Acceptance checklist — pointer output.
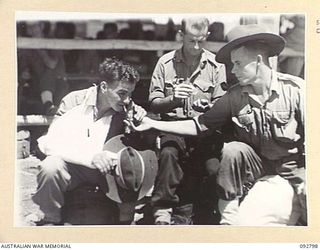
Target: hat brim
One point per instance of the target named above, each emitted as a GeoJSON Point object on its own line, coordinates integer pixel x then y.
{"type": "Point", "coordinates": [276, 45]}
{"type": "Point", "coordinates": [115, 144]}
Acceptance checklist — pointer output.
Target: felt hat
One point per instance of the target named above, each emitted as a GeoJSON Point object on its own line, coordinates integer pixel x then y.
{"type": "Point", "coordinates": [135, 171]}
{"type": "Point", "coordinates": [245, 33]}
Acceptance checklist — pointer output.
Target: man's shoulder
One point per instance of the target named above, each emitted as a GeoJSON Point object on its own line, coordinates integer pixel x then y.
{"type": "Point", "coordinates": [167, 57]}
{"type": "Point", "coordinates": [293, 81]}
{"type": "Point", "coordinates": [78, 94]}
{"type": "Point", "coordinates": [235, 88]}
{"type": "Point", "coordinates": [211, 57]}
{"type": "Point", "coordinates": [73, 99]}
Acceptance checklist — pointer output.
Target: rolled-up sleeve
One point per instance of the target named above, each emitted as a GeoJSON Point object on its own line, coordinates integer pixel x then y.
{"type": "Point", "coordinates": [300, 116]}
{"type": "Point", "coordinates": [300, 110]}
{"type": "Point", "coordinates": [217, 116]}
{"type": "Point", "coordinates": [219, 78]}
{"type": "Point", "coordinates": [156, 89]}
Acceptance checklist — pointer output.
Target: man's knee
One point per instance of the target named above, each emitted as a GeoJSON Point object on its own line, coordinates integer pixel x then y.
{"type": "Point", "coordinates": [234, 150]}
{"type": "Point", "coordinates": [52, 165]}
{"type": "Point", "coordinates": [243, 157]}
{"type": "Point", "coordinates": [233, 158]}
{"type": "Point", "coordinates": [169, 153]}
{"type": "Point", "coordinates": [239, 165]}
{"type": "Point", "coordinates": [212, 166]}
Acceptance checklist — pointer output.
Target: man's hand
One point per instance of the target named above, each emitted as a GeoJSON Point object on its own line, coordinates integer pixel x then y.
{"type": "Point", "coordinates": [104, 161]}
{"type": "Point", "coordinates": [182, 91]}
{"type": "Point", "coordinates": [145, 124]}
{"type": "Point", "coordinates": [201, 105]}
{"type": "Point", "coordinates": [301, 188]}
{"type": "Point", "coordinates": [138, 113]}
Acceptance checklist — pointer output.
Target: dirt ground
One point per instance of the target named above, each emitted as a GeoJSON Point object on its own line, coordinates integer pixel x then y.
{"type": "Point", "coordinates": [26, 209]}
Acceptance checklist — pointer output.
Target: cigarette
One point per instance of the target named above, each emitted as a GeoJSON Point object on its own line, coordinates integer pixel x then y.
{"type": "Point", "coordinates": [259, 59]}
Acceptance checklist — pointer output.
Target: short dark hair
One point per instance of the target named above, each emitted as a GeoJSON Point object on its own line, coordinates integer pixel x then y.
{"type": "Point", "coordinates": [113, 69]}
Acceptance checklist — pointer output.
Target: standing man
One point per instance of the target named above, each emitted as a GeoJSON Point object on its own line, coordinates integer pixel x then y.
{"type": "Point", "coordinates": [261, 178]}
{"type": "Point", "coordinates": [185, 83]}
{"type": "Point", "coordinates": [74, 142]}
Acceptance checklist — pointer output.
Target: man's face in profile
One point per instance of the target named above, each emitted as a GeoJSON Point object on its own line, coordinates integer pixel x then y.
{"type": "Point", "coordinates": [244, 66]}
{"type": "Point", "coordinates": [118, 94]}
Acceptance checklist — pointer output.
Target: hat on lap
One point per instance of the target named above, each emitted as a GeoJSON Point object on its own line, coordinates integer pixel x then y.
{"type": "Point", "coordinates": [135, 172]}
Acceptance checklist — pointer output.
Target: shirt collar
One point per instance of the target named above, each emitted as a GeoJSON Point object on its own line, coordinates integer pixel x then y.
{"type": "Point", "coordinates": [91, 100]}
{"type": "Point", "coordinates": [274, 85]}
{"type": "Point", "coordinates": [91, 96]}
{"type": "Point", "coordinates": [246, 90]}
{"type": "Point", "coordinates": [178, 57]}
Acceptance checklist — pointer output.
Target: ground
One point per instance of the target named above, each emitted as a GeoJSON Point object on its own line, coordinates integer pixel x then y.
{"type": "Point", "coordinates": [26, 172]}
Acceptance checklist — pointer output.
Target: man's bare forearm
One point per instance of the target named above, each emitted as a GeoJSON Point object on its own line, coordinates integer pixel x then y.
{"type": "Point", "coordinates": [187, 127]}
{"type": "Point", "coordinates": [164, 105]}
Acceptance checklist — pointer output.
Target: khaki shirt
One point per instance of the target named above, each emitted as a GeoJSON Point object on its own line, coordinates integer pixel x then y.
{"type": "Point", "coordinates": [206, 79]}
{"type": "Point", "coordinates": [274, 129]}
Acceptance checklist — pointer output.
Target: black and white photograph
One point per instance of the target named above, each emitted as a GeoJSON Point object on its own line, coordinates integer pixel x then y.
{"type": "Point", "coordinates": [126, 119]}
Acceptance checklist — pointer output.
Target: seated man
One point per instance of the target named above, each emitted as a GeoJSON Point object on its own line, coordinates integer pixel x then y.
{"type": "Point", "coordinates": [267, 111]}
{"type": "Point", "coordinates": [189, 68]}
{"type": "Point", "coordinates": [74, 142]}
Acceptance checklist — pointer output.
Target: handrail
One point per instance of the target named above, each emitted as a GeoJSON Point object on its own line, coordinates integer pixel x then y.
{"type": "Point", "coordinates": [119, 44]}
{"type": "Point", "coordinates": [34, 120]}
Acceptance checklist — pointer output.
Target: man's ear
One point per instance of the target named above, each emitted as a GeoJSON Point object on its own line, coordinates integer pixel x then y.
{"type": "Point", "coordinates": [103, 86]}
{"type": "Point", "coordinates": [180, 35]}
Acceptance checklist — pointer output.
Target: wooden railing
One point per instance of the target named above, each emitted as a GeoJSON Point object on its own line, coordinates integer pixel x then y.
{"type": "Point", "coordinates": [33, 120]}
{"type": "Point", "coordinates": [117, 44]}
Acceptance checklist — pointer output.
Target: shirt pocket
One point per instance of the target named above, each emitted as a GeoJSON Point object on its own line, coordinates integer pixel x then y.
{"type": "Point", "coordinates": [284, 126]}
{"type": "Point", "coordinates": [204, 86]}
{"type": "Point", "coordinates": [204, 89]}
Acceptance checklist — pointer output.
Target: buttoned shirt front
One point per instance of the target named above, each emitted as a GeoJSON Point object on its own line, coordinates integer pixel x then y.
{"type": "Point", "coordinates": [206, 79]}
{"type": "Point", "coordinates": [274, 129]}
{"type": "Point", "coordinates": [77, 135]}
